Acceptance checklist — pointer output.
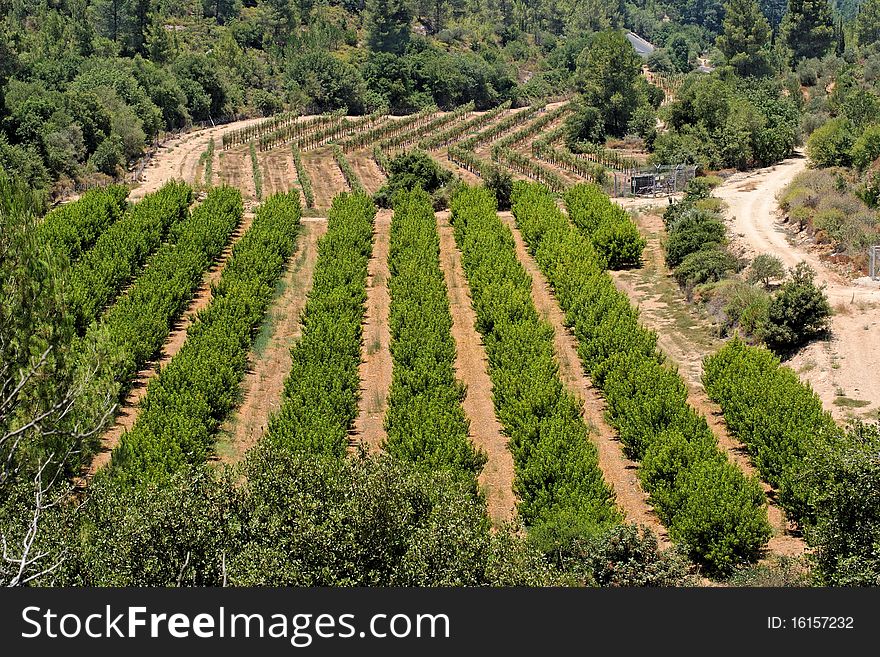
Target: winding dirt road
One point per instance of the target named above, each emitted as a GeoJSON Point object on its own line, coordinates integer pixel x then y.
{"type": "Point", "coordinates": [842, 370]}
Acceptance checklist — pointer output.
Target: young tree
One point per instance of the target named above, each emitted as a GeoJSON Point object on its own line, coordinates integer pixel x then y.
{"type": "Point", "coordinates": [607, 72]}
{"type": "Point", "coordinates": [808, 28]}
{"type": "Point", "coordinates": [765, 268]}
{"type": "Point", "coordinates": [746, 37]}
{"type": "Point", "coordinates": [388, 24]}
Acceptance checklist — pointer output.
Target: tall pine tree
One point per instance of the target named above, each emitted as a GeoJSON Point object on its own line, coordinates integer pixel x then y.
{"type": "Point", "coordinates": [388, 24]}
{"type": "Point", "coordinates": [868, 23]}
{"type": "Point", "coordinates": [808, 28]}
{"type": "Point", "coordinates": [746, 37]}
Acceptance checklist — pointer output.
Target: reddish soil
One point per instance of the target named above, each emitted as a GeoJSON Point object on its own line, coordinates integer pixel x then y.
{"type": "Point", "coordinates": [128, 411]}
{"type": "Point", "coordinates": [686, 340]}
{"type": "Point", "coordinates": [375, 367]}
{"type": "Point", "coordinates": [368, 172]}
{"type": "Point", "coordinates": [327, 179]}
{"type": "Point", "coordinates": [619, 471]}
{"type": "Point", "coordinates": [471, 366]}
{"type": "Point", "coordinates": [269, 365]}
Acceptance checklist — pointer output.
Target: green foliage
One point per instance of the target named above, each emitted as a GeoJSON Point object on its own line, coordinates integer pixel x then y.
{"type": "Point", "coordinates": [708, 504]}
{"type": "Point", "coordinates": [831, 144]}
{"type": "Point", "coordinates": [388, 25]}
{"type": "Point", "coordinates": [798, 313]}
{"type": "Point", "coordinates": [348, 172]}
{"type": "Point", "coordinates": [558, 480]}
{"type": "Point", "coordinates": [500, 182]}
{"type": "Point", "coordinates": [693, 231]}
{"type": "Point", "coordinates": [867, 24]}
{"type": "Point", "coordinates": [321, 392]}
{"type": "Point", "coordinates": [765, 268]}
{"type": "Point", "coordinates": [302, 175]}
{"type": "Point", "coordinates": [866, 148]}
{"type": "Point", "coordinates": [121, 250]}
{"type": "Point", "coordinates": [746, 38]}
{"type": "Point", "coordinates": [425, 422]}
{"type": "Point", "coordinates": [607, 72]}
{"type": "Point", "coordinates": [808, 28]}
{"type": "Point", "coordinates": [408, 171]}
{"type": "Point", "coordinates": [74, 228]}
{"type": "Point", "coordinates": [704, 266]}
{"type": "Point", "coordinates": [186, 403]}
{"type": "Point", "coordinates": [613, 234]}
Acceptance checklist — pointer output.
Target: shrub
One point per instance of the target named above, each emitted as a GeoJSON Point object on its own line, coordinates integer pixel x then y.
{"type": "Point", "coordinates": [831, 144]}
{"type": "Point", "coordinates": [866, 148]}
{"type": "Point", "coordinates": [798, 313]}
{"type": "Point", "coordinates": [408, 171]}
{"type": "Point", "coordinates": [704, 266]}
{"type": "Point", "coordinates": [765, 268]}
{"type": "Point", "coordinates": [693, 231]}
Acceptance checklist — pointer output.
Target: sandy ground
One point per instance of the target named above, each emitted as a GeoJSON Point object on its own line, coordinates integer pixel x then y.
{"type": "Point", "coordinates": [843, 369]}
{"type": "Point", "coordinates": [471, 367]}
{"type": "Point", "coordinates": [269, 365]}
{"type": "Point", "coordinates": [375, 367]}
{"type": "Point", "coordinates": [128, 411]}
{"type": "Point", "coordinates": [278, 171]}
{"type": "Point", "coordinates": [327, 179]}
{"type": "Point", "coordinates": [368, 172]}
{"type": "Point", "coordinates": [686, 339]}
{"type": "Point", "coordinates": [619, 471]}
{"type": "Point", "coordinates": [179, 158]}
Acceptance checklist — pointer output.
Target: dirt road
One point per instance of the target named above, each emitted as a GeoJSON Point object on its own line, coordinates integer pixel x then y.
{"type": "Point", "coordinates": [178, 159]}
{"type": "Point", "coordinates": [842, 370]}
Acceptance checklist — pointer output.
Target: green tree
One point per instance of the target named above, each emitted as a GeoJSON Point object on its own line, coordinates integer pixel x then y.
{"type": "Point", "coordinates": [867, 28]}
{"type": "Point", "coordinates": [798, 313]}
{"type": "Point", "coordinates": [746, 37]}
{"type": "Point", "coordinates": [808, 28]}
{"type": "Point", "coordinates": [607, 72]}
{"type": "Point", "coordinates": [830, 145]}
{"type": "Point", "coordinates": [388, 25]}
{"type": "Point", "coordinates": [765, 268]}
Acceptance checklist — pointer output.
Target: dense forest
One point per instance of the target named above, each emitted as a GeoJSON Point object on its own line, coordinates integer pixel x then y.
{"type": "Point", "coordinates": [86, 86]}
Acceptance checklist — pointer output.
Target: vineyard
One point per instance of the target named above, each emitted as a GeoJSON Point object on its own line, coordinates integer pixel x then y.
{"type": "Point", "coordinates": [173, 300]}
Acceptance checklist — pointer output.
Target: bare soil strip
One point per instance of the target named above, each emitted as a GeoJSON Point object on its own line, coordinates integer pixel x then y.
{"type": "Point", "coordinates": [685, 340]}
{"type": "Point", "coordinates": [269, 359]}
{"type": "Point", "coordinates": [619, 471]}
{"type": "Point", "coordinates": [179, 158]}
{"type": "Point", "coordinates": [375, 367]}
{"type": "Point", "coordinates": [368, 172]}
{"type": "Point", "coordinates": [130, 408]}
{"type": "Point", "coordinates": [237, 171]}
{"type": "Point", "coordinates": [471, 366]}
{"type": "Point", "coordinates": [327, 179]}
{"type": "Point", "coordinates": [278, 174]}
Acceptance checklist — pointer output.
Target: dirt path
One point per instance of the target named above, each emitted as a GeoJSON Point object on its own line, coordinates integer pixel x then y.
{"type": "Point", "coordinates": [619, 472]}
{"type": "Point", "coordinates": [686, 339]}
{"type": "Point", "coordinates": [471, 367]}
{"type": "Point", "coordinates": [842, 370]}
{"type": "Point", "coordinates": [375, 367]}
{"type": "Point", "coordinates": [278, 171]}
{"type": "Point", "coordinates": [179, 158]}
{"type": "Point", "coordinates": [269, 360]}
{"type": "Point", "coordinates": [327, 179]}
{"type": "Point", "coordinates": [129, 409]}
{"type": "Point", "coordinates": [368, 172]}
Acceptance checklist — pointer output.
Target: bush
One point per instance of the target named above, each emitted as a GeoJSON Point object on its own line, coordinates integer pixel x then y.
{"type": "Point", "coordinates": [830, 145]}
{"type": "Point", "coordinates": [500, 182]}
{"type": "Point", "coordinates": [408, 171]}
{"type": "Point", "coordinates": [693, 231]}
{"type": "Point", "coordinates": [798, 313]}
{"type": "Point", "coordinates": [704, 266]}
{"type": "Point", "coordinates": [765, 268]}
{"type": "Point", "coordinates": [866, 148]}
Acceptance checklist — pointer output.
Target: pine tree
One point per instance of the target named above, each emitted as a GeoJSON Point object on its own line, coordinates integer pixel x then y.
{"type": "Point", "coordinates": [746, 37]}
{"type": "Point", "coordinates": [388, 25]}
{"type": "Point", "coordinates": [808, 28]}
{"type": "Point", "coordinates": [868, 23]}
